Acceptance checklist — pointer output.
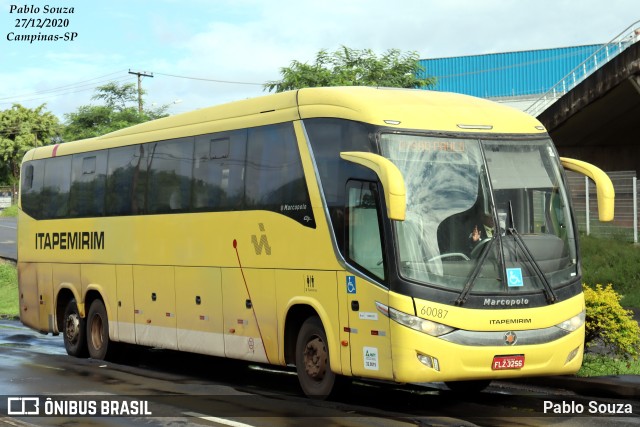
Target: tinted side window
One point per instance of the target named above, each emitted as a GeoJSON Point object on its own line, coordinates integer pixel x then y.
{"type": "Point", "coordinates": [31, 188]}
{"type": "Point", "coordinates": [328, 137]}
{"type": "Point", "coordinates": [88, 182]}
{"type": "Point", "coordinates": [275, 179]}
{"type": "Point", "coordinates": [364, 241]}
{"type": "Point", "coordinates": [169, 186]}
{"type": "Point", "coordinates": [126, 180]}
{"type": "Point", "coordinates": [218, 171]}
{"type": "Point", "coordinates": [57, 183]}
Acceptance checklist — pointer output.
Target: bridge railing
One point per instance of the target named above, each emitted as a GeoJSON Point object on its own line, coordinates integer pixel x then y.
{"type": "Point", "coordinates": [619, 43]}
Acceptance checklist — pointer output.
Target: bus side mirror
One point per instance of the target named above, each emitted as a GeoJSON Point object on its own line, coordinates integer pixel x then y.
{"type": "Point", "coordinates": [395, 193]}
{"type": "Point", "coordinates": [604, 187]}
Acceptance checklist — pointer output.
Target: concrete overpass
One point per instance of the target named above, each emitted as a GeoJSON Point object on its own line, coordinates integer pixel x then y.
{"type": "Point", "coordinates": [598, 121]}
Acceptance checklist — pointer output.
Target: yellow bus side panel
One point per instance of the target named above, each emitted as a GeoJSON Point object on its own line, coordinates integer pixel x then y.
{"type": "Point", "coordinates": [155, 306]}
{"type": "Point", "coordinates": [242, 333]}
{"type": "Point", "coordinates": [199, 310]}
{"type": "Point", "coordinates": [28, 294]}
{"type": "Point", "coordinates": [100, 278]}
{"type": "Point", "coordinates": [315, 289]}
{"type": "Point", "coordinates": [125, 303]}
{"type": "Point", "coordinates": [45, 297]}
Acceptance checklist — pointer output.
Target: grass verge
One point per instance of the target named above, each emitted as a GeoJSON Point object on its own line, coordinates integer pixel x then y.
{"type": "Point", "coordinates": [10, 211]}
{"type": "Point", "coordinates": [612, 261]}
{"type": "Point", "coordinates": [8, 292]}
{"type": "Point", "coordinates": [597, 365]}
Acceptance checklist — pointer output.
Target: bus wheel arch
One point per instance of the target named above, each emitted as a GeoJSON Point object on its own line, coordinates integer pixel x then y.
{"type": "Point", "coordinates": [296, 316]}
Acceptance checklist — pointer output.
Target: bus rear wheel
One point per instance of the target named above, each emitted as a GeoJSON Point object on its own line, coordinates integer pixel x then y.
{"type": "Point", "coordinates": [74, 331]}
{"type": "Point", "coordinates": [312, 360]}
{"type": "Point", "coordinates": [98, 331]}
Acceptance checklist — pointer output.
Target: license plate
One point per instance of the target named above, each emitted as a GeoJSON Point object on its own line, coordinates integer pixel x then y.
{"type": "Point", "coordinates": [512, 361]}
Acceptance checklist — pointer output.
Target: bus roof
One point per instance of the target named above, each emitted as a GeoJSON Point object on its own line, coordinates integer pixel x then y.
{"type": "Point", "coordinates": [402, 108]}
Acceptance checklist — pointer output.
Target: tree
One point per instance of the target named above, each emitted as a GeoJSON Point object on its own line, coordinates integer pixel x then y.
{"type": "Point", "coordinates": [117, 96]}
{"type": "Point", "coordinates": [118, 113]}
{"type": "Point", "coordinates": [352, 67]}
{"type": "Point", "coordinates": [21, 129]}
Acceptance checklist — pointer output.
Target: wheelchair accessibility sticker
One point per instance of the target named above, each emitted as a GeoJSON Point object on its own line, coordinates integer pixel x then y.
{"type": "Point", "coordinates": [514, 277]}
{"type": "Point", "coordinates": [351, 284]}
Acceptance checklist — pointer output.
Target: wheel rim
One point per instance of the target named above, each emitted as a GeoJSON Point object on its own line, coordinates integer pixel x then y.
{"type": "Point", "coordinates": [96, 332]}
{"type": "Point", "coordinates": [72, 328]}
{"type": "Point", "coordinates": [315, 358]}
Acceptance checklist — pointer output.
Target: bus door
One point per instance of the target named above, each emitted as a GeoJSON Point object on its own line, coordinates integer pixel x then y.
{"type": "Point", "coordinates": [368, 328]}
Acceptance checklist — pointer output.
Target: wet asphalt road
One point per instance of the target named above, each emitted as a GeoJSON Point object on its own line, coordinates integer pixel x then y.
{"type": "Point", "coordinates": [185, 389]}
{"type": "Point", "coordinates": [8, 238]}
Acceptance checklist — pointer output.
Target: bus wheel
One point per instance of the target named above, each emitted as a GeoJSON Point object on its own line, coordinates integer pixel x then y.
{"type": "Point", "coordinates": [472, 386]}
{"type": "Point", "coordinates": [312, 360]}
{"type": "Point", "coordinates": [98, 330]}
{"type": "Point", "coordinates": [74, 331]}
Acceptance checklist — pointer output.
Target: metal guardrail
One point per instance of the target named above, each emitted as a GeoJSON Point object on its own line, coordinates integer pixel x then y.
{"type": "Point", "coordinates": [609, 50]}
{"type": "Point", "coordinates": [625, 223]}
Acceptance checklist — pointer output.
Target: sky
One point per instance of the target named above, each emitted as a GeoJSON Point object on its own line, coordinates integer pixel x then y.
{"type": "Point", "coordinates": [207, 52]}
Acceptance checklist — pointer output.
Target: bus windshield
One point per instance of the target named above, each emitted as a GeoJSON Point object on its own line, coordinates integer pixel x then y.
{"type": "Point", "coordinates": [489, 216]}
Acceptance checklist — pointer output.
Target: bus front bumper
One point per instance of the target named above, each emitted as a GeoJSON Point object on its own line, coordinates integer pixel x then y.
{"type": "Point", "coordinates": [419, 357]}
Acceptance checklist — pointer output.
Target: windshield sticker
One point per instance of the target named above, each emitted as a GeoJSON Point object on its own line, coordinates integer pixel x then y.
{"type": "Point", "coordinates": [514, 277]}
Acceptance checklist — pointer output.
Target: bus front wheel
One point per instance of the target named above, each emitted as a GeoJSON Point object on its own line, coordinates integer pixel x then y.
{"type": "Point", "coordinates": [98, 331]}
{"type": "Point", "coordinates": [74, 331]}
{"type": "Point", "coordinates": [312, 360]}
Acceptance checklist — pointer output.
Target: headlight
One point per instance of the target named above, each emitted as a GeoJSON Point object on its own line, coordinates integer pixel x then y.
{"type": "Point", "coordinates": [574, 323]}
{"type": "Point", "coordinates": [421, 325]}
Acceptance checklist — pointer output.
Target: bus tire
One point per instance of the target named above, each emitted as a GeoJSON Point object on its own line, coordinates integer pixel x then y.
{"type": "Point", "coordinates": [98, 331]}
{"type": "Point", "coordinates": [471, 386]}
{"type": "Point", "coordinates": [73, 331]}
{"type": "Point", "coordinates": [312, 360]}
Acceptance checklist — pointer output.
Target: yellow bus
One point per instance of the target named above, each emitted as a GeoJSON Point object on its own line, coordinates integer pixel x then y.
{"type": "Point", "coordinates": [400, 235]}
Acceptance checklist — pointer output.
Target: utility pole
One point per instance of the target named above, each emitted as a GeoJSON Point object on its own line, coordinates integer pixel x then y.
{"type": "Point", "coordinates": [140, 74]}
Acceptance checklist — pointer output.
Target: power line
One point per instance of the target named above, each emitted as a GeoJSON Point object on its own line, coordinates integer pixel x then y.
{"type": "Point", "coordinates": [92, 83]}
{"type": "Point", "coordinates": [59, 91]}
{"type": "Point", "coordinates": [210, 80]}
{"type": "Point", "coordinates": [65, 87]}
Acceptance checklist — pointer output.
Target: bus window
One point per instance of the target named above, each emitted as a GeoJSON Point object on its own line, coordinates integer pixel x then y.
{"type": "Point", "coordinates": [363, 229]}
{"type": "Point", "coordinates": [218, 171]}
{"type": "Point", "coordinates": [170, 175]}
{"type": "Point", "coordinates": [57, 183]}
{"type": "Point", "coordinates": [88, 182]}
{"type": "Point", "coordinates": [126, 180]}
{"type": "Point", "coordinates": [274, 177]}
{"type": "Point", "coordinates": [32, 183]}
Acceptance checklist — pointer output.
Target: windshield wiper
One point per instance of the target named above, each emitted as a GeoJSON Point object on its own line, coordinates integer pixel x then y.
{"type": "Point", "coordinates": [462, 298]}
{"type": "Point", "coordinates": [548, 290]}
